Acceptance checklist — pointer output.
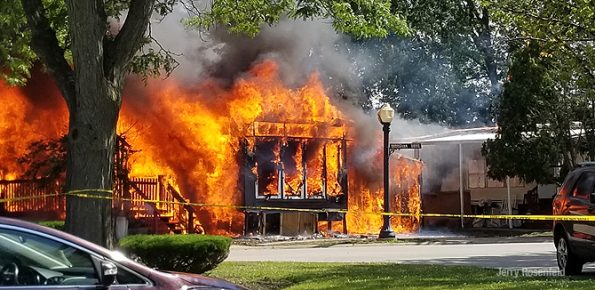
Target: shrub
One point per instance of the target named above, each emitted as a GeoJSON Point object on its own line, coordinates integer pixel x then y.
{"type": "Point", "coordinates": [59, 225]}
{"type": "Point", "coordinates": [182, 253]}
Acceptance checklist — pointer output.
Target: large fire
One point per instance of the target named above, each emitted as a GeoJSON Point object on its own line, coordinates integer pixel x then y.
{"type": "Point", "coordinates": [193, 135]}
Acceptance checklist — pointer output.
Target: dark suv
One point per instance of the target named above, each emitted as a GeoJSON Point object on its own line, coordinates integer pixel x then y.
{"type": "Point", "coordinates": [575, 240]}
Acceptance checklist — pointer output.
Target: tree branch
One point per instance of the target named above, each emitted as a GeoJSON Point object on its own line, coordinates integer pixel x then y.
{"type": "Point", "coordinates": [119, 52]}
{"type": "Point", "coordinates": [581, 62]}
{"type": "Point", "coordinates": [549, 20]}
{"type": "Point", "coordinates": [45, 44]}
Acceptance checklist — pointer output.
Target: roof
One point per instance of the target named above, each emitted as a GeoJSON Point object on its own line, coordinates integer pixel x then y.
{"type": "Point", "coordinates": [459, 136]}
{"type": "Point", "coordinates": [467, 136]}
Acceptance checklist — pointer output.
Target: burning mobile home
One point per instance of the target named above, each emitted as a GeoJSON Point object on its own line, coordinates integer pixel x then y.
{"type": "Point", "coordinates": [287, 167]}
{"type": "Point", "coordinates": [234, 150]}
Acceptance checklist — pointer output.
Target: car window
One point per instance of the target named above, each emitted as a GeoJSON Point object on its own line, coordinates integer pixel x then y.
{"type": "Point", "coordinates": [27, 259]}
{"type": "Point", "coordinates": [584, 186]}
{"type": "Point", "coordinates": [127, 277]}
{"type": "Point", "coordinates": [568, 184]}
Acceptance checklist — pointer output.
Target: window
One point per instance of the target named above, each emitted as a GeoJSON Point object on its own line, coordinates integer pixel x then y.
{"type": "Point", "coordinates": [495, 183]}
{"type": "Point", "coordinates": [477, 175]}
{"type": "Point", "coordinates": [584, 186]}
{"type": "Point", "coordinates": [127, 277]}
{"type": "Point", "coordinates": [27, 259]}
{"type": "Point", "coordinates": [516, 182]}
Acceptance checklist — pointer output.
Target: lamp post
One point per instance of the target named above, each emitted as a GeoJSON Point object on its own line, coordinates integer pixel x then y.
{"type": "Point", "coordinates": [385, 116]}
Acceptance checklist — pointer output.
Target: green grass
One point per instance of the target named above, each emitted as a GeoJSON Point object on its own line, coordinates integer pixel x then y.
{"type": "Point", "coordinates": [288, 275]}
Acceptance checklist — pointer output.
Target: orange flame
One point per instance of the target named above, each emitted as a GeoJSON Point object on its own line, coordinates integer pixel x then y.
{"type": "Point", "coordinates": [192, 134]}
{"type": "Point", "coordinates": [366, 199]}
{"type": "Point", "coordinates": [27, 115]}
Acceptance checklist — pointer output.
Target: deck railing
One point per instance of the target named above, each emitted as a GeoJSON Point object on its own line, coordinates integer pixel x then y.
{"type": "Point", "coordinates": [137, 197]}
{"type": "Point", "coordinates": [23, 196]}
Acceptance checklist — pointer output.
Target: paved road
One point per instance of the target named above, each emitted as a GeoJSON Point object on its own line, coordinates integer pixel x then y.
{"type": "Point", "coordinates": [530, 254]}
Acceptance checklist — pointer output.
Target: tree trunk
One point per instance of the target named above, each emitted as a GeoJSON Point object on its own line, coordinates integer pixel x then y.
{"type": "Point", "coordinates": [483, 42]}
{"type": "Point", "coordinates": [91, 137]}
{"type": "Point", "coordinates": [92, 88]}
{"type": "Point", "coordinates": [91, 142]}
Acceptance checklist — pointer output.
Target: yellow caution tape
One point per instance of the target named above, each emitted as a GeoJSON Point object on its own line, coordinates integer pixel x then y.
{"type": "Point", "coordinates": [105, 194]}
{"type": "Point", "coordinates": [80, 191]}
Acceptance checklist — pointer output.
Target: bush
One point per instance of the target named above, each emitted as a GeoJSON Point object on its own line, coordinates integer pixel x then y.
{"type": "Point", "coordinates": [182, 253]}
{"type": "Point", "coordinates": [59, 225]}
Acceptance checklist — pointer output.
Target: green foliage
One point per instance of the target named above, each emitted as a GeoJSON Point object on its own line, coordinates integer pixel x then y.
{"type": "Point", "coordinates": [464, 32]}
{"type": "Point", "coordinates": [547, 110]}
{"type": "Point", "coordinates": [58, 225]}
{"type": "Point", "coordinates": [17, 57]}
{"type": "Point", "coordinates": [364, 19]}
{"type": "Point", "coordinates": [150, 62]}
{"type": "Point", "coordinates": [242, 16]}
{"type": "Point", "coordinates": [182, 253]}
{"type": "Point", "coordinates": [567, 26]}
{"type": "Point", "coordinates": [551, 20]}
{"type": "Point", "coordinates": [538, 115]}
{"type": "Point", "coordinates": [57, 15]}
{"type": "Point", "coordinates": [359, 18]}
{"type": "Point", "coordinates": [15, 54]}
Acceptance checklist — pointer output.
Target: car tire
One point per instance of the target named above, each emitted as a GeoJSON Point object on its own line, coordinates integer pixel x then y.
{"type": "Point", "coordinates": [568, 262]}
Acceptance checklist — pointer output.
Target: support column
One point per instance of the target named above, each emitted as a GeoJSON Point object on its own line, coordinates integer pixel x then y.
{"type": "Point", "coordinates": [264, 223]}
{"type": "Point", "coordinates": [329, 224]}
{"type": "Point", "coordinates": [461, 193]}
{"type": "Point", "coordinates": [509, 201]}
{"type": "Point", "coordinates": [305, 172]}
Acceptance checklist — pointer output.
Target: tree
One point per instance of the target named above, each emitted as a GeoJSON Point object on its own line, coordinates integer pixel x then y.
{"type": "Point", "coordinates": [418, 78]}
{"type": "Point", "coordinates": [465, 32]}
{"type": "Point", "coordinates": [523, 145]}
{"type": "Point", "coordinates": [569, 26]}
{"type": "Point", "coordinates": [543, 118]}
{"type": "Point", "coordinates": [546, 111]}
{"type": "Point", "coordinates": [448, 71]}
{"type": "Point", "coordinates": [89, 59]}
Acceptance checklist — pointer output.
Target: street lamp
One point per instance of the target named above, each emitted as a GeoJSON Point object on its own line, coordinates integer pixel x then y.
{"type": "Point", "coordinates": [385, 116]}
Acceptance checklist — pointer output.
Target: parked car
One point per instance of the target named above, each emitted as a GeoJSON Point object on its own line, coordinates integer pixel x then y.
{"type": "Point", "coordinates": [575, 240]}
{"type": "Point", "coordinates": [37, 257]}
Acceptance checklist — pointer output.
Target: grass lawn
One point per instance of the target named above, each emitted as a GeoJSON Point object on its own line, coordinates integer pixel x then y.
{"type": "Point", "coordinates": [288, 275]}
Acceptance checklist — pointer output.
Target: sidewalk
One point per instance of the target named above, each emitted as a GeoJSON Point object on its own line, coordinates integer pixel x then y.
{"type": "Point", "coordinates": [471, 236]}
